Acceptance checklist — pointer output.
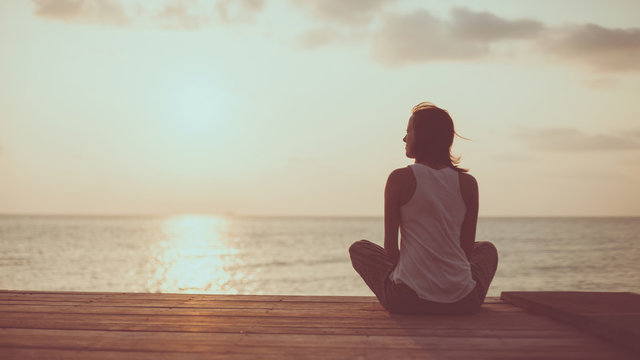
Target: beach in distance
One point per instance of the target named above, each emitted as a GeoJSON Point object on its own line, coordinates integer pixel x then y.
{"type": "Point", "coordinates": [291, 255]}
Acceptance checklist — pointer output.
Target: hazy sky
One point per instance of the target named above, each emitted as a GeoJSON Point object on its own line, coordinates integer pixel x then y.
{"type": "Point", "coordinates": [284, 107]}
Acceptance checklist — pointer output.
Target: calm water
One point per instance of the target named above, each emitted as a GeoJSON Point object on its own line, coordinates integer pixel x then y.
{"type": "Point", "coordinates": [304, 256]}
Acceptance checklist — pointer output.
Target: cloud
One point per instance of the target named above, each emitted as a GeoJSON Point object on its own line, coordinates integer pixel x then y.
{"type": "Point", "coordinates": [596, 46]}
{"type": "Point", "coordinates": [173, 14]}
{"type": "Point", "coordinates": [487, 27]}
{"type": "Point", "coordinates": [239, 10]}
{"type": "Point", "coordinates": [314, 38]}
{"type": "Point", "coordinates": [419, 37]}
{"type": "Point", "coordinates": [105, 12]}
{"type": "Point", "coordinates": [350, 12]}
{"type": "Point", "coordinates": [322, 36]}
{"type": "Point", "coordinates": [574, 140]}
{"type": "Point", "coordinates": [395, 38]}
{"type": "Point", "coordinates": [178, 15]}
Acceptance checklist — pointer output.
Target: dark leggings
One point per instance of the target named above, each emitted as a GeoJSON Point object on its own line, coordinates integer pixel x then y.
{"type": "Point", "coordinates": [374, 266]}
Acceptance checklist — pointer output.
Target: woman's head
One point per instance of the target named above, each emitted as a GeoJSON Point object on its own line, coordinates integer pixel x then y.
{"type": "Point", "coordinates": [430, 135]}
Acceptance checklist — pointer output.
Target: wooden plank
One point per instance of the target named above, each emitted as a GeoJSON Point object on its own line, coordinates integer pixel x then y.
{"type": "Point", "coordinates": [580, 302]}
{"type": "Point", "coordinates": [249, 311]}
{"type": "Point", "coordinates": [163, 301]}
{"type": "Point", "coordinates": [344, 312]}
{"type": "Point", "coordinates": [152, 296]}
{"type": "Point", "coordinates": [502, 322]}
{"type": "Point", "coordinates": [32, 295]}
{"type": "Point", "coordinates": [261, 325]}
{"type": "Point", "coordinates": [225, 304]}
{"type": "Point", "coordinates": [211, 301]}
{"type": "Point", "coordinates": [308, 353]}
{"type": "Point", "coordinates": [203, 304]}
{"type": "Point", "coordinates": [612, 316]}
{"type": "Point", "coordinates": [56, 296]}
{"type": "Point", "coordinates": [207, 342]}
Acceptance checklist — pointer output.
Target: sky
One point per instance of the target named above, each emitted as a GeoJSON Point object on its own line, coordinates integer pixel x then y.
{"type": "Point", "coordinates": [285, 107]}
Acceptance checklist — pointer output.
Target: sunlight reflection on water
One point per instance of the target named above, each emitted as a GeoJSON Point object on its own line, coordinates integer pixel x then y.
{"type": "Point", "coordinates": [293, 256]}
{"type": "Point", "coordinates": [193, 257]}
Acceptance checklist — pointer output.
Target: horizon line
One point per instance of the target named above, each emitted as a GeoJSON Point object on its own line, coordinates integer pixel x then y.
{"type": "Point", "coordinates": [239, 215]}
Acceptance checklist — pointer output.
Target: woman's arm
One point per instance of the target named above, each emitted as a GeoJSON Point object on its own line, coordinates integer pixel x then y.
{"type": "Point", "coordinates": [392, 217]}
{"type": "Point", "coordinates": [399, 189]}
{"type": "Point", "coordinates": [469, 191]}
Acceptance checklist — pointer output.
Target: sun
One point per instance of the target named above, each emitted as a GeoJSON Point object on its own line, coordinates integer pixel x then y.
{"type": "Point", "coordinates": [198, 106]}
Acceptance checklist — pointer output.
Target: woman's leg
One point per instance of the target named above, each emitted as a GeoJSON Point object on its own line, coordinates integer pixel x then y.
{"type": "Point", "coordinates": [484, 262]}
{"type": "Point", "coordinates": [372, 264]}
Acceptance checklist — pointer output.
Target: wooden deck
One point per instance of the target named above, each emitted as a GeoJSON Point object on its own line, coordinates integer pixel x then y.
{"type": "Point", "coordinates": [72, 325]}
{"type": "Point", "coordinates": [611, 316]}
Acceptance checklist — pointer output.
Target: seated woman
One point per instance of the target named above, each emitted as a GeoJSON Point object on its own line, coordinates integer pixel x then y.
{"type": "Point", "coordinates": [440, 268]}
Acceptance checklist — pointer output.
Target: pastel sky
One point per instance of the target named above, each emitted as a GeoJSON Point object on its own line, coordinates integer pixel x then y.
{"type": "Point", "coordinates": [285, 107]}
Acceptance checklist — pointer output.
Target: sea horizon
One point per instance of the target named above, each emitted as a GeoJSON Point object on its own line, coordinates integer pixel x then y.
{"type": "Point", "coordinates": [248, 215]}
{"type": "Point", "coordinates": [293, 255]}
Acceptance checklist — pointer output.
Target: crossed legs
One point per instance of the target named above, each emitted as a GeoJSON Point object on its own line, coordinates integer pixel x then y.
{"type": "Point", "coordinates": [374, 266]}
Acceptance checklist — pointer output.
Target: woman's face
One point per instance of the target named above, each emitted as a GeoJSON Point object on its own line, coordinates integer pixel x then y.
{"type": "Point", "coordinates": [410, 140]}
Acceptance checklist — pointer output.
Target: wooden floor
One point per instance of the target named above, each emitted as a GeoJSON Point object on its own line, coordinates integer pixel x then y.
{"type": "Point", "coordinates": [59, 325]}
{"type": "Point", "coordinates": [614, 317]}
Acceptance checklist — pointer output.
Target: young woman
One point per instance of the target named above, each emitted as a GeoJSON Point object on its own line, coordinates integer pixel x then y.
{"type": "Point", "coordinates": [439, 268]}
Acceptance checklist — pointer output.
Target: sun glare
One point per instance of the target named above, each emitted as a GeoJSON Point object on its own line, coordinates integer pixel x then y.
{"type": "Point", "coordinates": [199, 107]}
{"type": "Point", "coordinates": [193, 256]}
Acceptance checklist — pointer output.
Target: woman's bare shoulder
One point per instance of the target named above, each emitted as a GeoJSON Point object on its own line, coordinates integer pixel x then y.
{"type": "Point", "coordinates": [467, 179]}
{"type": "Point", "coordinates": [401, 185]}
{"type": "Point", "coordinates": [468, 186]}
{"type": "Point", "coordinates": [401, 176]}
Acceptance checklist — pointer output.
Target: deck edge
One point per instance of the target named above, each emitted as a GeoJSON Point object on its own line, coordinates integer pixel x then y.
{"type": "Point", "coordinates": [616, 335]}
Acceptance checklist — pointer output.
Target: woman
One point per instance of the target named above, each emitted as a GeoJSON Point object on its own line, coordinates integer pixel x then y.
{"type": "Point", "coordinates": [439, 268]}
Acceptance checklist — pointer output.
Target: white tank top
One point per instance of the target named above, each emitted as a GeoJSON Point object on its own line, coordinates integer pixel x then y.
{"type": "Point", "coordinates": [432, 262]}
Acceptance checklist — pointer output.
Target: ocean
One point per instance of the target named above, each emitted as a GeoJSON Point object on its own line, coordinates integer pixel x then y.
{"type": "Point", "coordinates": [292, 255]}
